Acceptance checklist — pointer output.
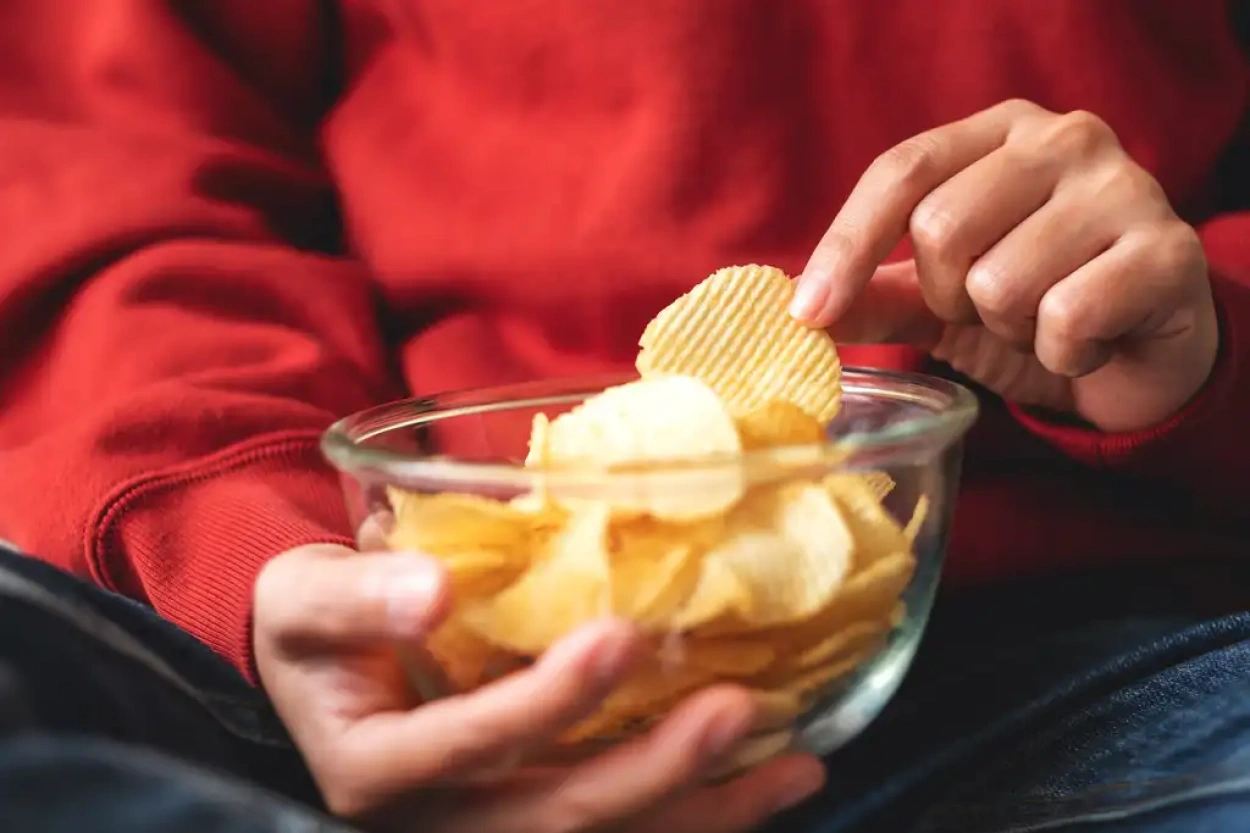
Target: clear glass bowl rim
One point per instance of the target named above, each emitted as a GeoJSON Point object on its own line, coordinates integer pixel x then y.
{"type": "Point", "coordinates": [950, 409]}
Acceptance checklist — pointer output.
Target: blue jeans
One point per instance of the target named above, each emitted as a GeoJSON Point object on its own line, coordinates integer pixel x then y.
{"type": "Point", "coordinates": [1090, 705]}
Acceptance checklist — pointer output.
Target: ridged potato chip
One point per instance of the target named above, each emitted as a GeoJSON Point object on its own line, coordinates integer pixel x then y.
{"type": "Point", "coordinates": [467, 660]}
{"type": "Point", "coordinates": [635, 426]}
{"type": "Point", "coordinates": [734, 332]}
{"type": "Point", "coordinates": [565, 587]}
{"type": "Point", "coordinates": [784, 556]}
{"type": "Point", "coordinates": [779, 423]}
{"type": "Point", "coordinates": [872, 527]}
{"type": "Point", "coordinates": [483, 544]}
{"type": "Point", "coordinates": [879, 482]}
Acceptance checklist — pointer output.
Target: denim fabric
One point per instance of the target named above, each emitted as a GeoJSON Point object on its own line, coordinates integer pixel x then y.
{"type": "Point", "coordinates": [1073, 706]}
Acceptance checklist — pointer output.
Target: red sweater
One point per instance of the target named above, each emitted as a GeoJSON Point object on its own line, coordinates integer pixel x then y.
{"type": "Point", "coordinates": [227, 222]}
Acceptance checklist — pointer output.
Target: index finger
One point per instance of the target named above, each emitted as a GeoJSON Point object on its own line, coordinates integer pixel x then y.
{"type": "Point", "coordinates": [875, 216]}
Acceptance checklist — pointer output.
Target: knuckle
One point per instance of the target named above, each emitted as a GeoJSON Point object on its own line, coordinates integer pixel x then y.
{"type": "Point", "coordinates": [1020, 106]}
{"type": "Point", "coordinates": [934, 227]}
{"type": "Point", "coordinates": [1079, 133]}
{"type": "Point", "coordinates": [1063, 316]}
{"type": "Point", "coordinates": [912, 162]}
{"type": "Point", "coordinates": [1181, 250]}
{"type": "Point", "coordinates": [1061, 361]}
{"type": "Point", "coordinates": [990, 288]}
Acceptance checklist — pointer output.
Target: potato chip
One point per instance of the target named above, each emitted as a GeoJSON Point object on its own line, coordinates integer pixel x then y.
{"type": "Point", "coordinates": [567, 586]}
{"type": "Point", "coordinates": [540, 437]}
{"type": "Point", "coordinates": [644, 695]}
{"type": "Point", "coordinates": [721, 591]}
{"type": "Point", "coordinates": [450, 522]}
{"type": "Point", "coordinates": [868, 594]}
{"type": "Point", "coordinates": [779, 423]}
{"type": "Point", "coordinates": [530, 503]}
{"type": "Point", "coordinates": [484, 545]}
{"type": "Point", "coordinates": [879, 482]}
{"type": "Point", "coordinates": [849, 639]}
{"type": "Point", "coordinates": [819, 678]}
{"type": "Point", "coordinates": [652, 574]}
{"type": "Point", "coordinates": [652, 421]}
{"type": "Point", "coordinates": [467, 660]}
{"type": "Point", "coordinates": [727, 657]}
{"type": "Point", "coordinates": [874, 530]}
{"type": "Point", "coordinates": [784, 556]}
{"type": "Point", "coordinates": [735, 333]}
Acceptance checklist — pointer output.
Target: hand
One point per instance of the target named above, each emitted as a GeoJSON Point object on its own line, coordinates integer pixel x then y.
{"type": "Point", "coordinates": [326, 621]}
{"type": "Point", "coordinates": [1048, 266]}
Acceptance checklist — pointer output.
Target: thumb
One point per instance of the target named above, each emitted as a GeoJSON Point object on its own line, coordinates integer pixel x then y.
{"type": "Point", "coordinates": [890, 310]}
{"type": "Point", "coordinates": [324, 595]}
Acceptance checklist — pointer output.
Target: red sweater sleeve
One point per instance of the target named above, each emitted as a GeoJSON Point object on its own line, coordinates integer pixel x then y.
{"type": "Point", "coordinates": [172, 339]}
{"type": "Point", "coordinates": [1205, 447]}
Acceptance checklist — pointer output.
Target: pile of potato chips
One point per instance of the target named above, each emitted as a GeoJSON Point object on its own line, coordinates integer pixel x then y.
{"type": "Point", "coordinates": [783, 583]}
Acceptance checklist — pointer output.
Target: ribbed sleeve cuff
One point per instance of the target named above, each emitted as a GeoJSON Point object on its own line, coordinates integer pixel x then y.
{"type": "Point", "coordinates": [191, 540]}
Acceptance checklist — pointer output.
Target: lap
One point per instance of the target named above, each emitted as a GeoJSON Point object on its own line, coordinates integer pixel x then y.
{"type": "Point", "coordinates": [1014, 718]}
{"type": "Point", "coordinates": [1115, 718]}
{"type": "Point", "coordinates": [77, 662]}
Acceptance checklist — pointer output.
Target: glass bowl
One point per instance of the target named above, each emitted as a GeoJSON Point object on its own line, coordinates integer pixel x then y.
{"type": "Point", "coordinates": [474, 443]}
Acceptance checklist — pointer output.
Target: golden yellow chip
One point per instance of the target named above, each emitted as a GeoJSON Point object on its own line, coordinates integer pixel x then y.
{"type": "Point", "coordinates": [814, 681]}
{"type": "Point", "coordinates": [483, 544]}
{"type": "Point", "coordinates": [734, 332]}
{"type": "Point", "coordinates": [784, 556]}
{"type": "Point", "coordinates": [653, 574]}
{"type": "Point", "coordinates": [727, 657]}
{"type": "Point", "coordinates": [879, 482]}
{"type": "Point", "coordinates": [467, 660]}
{"type": "Point", "coordinates": [645, 695]}
{"type": "Point", "coordinates": [565, 587]}
{"type": "Point", "coordinates": [875, 531]}
{"type": "Point", "coordinates": [637, 426]}
{"type": "Point", "coordinates": [530, 503]}
{"type": "Point", "coordinates": [779, 423]}
{"type": "Point", "coordinates": [449, 522]}
{"type": "Point", "coordinates": [853, 637]}
{"type": "Point", "coordinates": [869, 594]}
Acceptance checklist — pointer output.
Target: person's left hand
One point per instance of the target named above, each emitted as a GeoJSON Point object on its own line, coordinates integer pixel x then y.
{"type": "Point", "coordinates": [1049, 266]}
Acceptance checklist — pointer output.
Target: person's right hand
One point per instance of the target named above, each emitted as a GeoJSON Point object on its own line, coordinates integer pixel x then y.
{"type": "Point", "coordinates": [326, 623]}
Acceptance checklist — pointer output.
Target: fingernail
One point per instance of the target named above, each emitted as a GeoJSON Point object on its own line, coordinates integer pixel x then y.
{"type": "Point", "coordinates": [803, 787]}
{"type": "Point", "coordinates": [725, 732]}
{"type": "Point", "coordinates": [410, 592]}
{"type": "Point", "coordinates": [809, 296]}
